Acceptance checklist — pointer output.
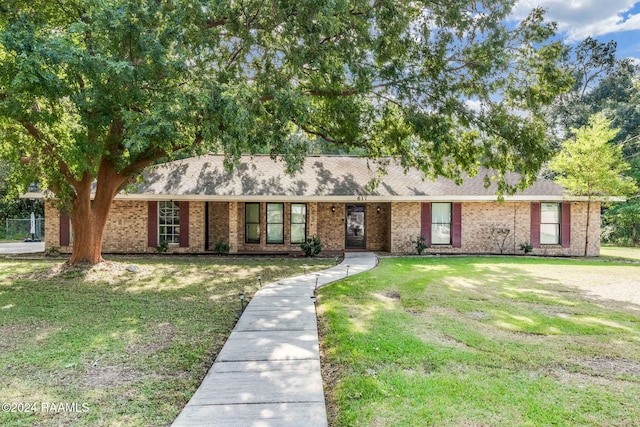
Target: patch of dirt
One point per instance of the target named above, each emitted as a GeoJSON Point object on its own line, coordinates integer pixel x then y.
{"type": "Point", "coordinates": [609, 366]}
{"type": "Point", "coordinates": [16, 333]}
{"type": "Point", "coordinates": [392, 295]}
{"type": "Point", "coordinates": [109, 376]}
{"type": "Point", "coordinates": [581, 380]}
{"type": "Point", "coordinates": [90, 272]}
{"type": "Point", "coordinates": [163, 334]}
{"type": "Point", "coordinates": [479, 315]}
{"type": "Point", "coordinates": [387, 297]}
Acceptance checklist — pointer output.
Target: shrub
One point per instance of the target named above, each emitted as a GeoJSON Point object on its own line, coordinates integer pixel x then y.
{"type": "Point", "coordinates": [526, 247]}
{"type": "Point", "coordinates": [162, 248]}
{"type": "Point", "coordinates": [52, 251]}
{"type": "Point", "coordinates": [311, 246]}
{"type": "Point", "coordinates": [419, 244]}
{"type": "Point", "coordinates": [222, 247]}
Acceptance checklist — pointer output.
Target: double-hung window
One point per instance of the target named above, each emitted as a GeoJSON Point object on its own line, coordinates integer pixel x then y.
{"type": "Point", "coordinates": [550, 217]}
{"type": "Point", "coordinates": [168, 222]}
{"type": "Point", "coordinates": [252, 222]}
{"type": "Point", "coordinates": [298, 222]}
{"type": "Point", "coordinates": [441, 223]}
{"type": "Point", "coordinates": [275, 223]}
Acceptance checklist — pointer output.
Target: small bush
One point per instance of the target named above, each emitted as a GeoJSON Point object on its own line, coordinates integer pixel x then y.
{"type": "Point", "coordinates": [419, 244]}
{"type": "Point", "coordinates": [221, 247]}
{"type": "Point", "coordinates": [162, 248]}
{"type": "Point", "coordinates": [526, 247]}
{"type": "Point", "coordinates": [312, 246]}
{"type": "Point", "coordinates": [52, 251]}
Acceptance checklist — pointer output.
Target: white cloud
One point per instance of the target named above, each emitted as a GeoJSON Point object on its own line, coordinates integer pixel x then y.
{"type": "Point", "coordinates": [581, 18]}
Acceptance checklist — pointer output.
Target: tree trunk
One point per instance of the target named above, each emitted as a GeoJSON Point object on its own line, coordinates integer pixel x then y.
{"type": "Point", "coordinates": [586, 235]}
{"type": "Point", "coordinates": [89, 216]}
{"type": "Point", "coordinates": [634, 234]}
{"type": "Point", "coordinates": [88, 221]}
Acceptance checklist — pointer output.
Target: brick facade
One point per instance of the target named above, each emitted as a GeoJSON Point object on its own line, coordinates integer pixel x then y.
{"type": "Point", "coordinates": [478, 219]}
{"type": "Point", "coordinates": [331, 226]}
{"type": "Point", "coordinates": [405, 226]}
{"type": "Point", "coordinates": [391, 229]}
{"type": "Point", "coordinates": [218, 223]}
{"type": "Point", "coordinates": [126, 229]}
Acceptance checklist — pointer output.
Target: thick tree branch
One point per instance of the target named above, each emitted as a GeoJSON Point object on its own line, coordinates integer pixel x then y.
{"type": "Point", "coordinates": [321, 134]}
{"type": "Point", "coordinates": [219, 23]}
{"type": "Point", "coordinates": [49, 149]}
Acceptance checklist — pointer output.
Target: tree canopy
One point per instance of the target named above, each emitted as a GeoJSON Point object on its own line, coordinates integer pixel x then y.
{"type": "Point", "coordinates": [93, 91]}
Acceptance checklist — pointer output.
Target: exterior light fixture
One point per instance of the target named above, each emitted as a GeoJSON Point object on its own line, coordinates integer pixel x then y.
{"type": "Point", "coordinates": [304, 268]}
{"type": "Point", "coordinates": [317, 276]}
{"type": "Point", "coordinates": [333, 209]}
{"type": "Point", "coordinates": [241, 296]}
{"type": "Point", "coordinates": [260, 280]}
{"type": "Point", "coordinates": [337, 259]}
{"type": "Point", "coordinates": [348, 270]}
{"type": "Point", "coordinates": [378, 209]}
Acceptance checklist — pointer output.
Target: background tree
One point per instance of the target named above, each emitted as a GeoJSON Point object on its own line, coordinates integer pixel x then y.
{"type": "Point", "coordinates": [589, 62]}
{"type": "Point", "coordinates": [92, 92]}
{"type": "Point", "coordinates": [606, 85]}
{"type": "Point", "coordinates": [589, 165]}
{"type": "Point", "coordinates": [12, 206]}
{"type": "Point", "coordinates": [622, 220]}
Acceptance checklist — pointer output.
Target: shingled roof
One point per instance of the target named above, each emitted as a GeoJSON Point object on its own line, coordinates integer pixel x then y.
{"type": "Point", "coordinates": [327, 178]}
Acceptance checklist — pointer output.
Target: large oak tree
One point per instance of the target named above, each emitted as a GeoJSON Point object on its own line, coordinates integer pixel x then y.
{"type": "Point", "coordinates": [93, 91]}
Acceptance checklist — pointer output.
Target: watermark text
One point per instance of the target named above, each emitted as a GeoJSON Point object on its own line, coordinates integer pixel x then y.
{"type": "Point", "coordinates": [48, 407]}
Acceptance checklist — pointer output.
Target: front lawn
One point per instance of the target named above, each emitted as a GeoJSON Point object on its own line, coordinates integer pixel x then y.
{"type": "Point", "coordinates": [116, 348]}
{"type": "Point", "coordinates": [483, 341]}
{"type": "Point", "coordinates": [632, 253]}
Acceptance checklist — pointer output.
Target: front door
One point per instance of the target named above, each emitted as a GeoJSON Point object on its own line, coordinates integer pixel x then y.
{"type": "Point", "coordinates": [355, 223]}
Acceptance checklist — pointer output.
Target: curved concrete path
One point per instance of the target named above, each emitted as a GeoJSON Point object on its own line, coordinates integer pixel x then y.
{"type": "Point", "coordinates": [268, 372]}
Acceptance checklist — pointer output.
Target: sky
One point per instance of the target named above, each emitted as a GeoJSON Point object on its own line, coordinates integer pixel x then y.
{"type": "Point", "coordinates": [604, 20]}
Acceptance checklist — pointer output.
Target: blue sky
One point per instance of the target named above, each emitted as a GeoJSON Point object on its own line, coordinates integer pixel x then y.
{"type": "Point", "coordinates": [605, 20]}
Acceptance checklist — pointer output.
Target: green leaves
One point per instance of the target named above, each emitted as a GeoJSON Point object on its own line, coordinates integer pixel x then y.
{"type": "Point", "coordinates": [132, 81]}
{"type": "Point", "coordinates": [589, 165]}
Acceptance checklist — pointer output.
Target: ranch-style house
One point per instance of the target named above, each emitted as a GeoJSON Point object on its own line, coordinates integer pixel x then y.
{"type": "Point", "coordinates": [193, 204]}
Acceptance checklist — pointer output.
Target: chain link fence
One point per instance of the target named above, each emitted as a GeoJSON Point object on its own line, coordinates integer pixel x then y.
{"type": "Point", "coordinates": [20, 229]}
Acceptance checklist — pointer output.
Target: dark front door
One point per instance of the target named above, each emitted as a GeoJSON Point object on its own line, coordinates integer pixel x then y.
{"type": "Point", "coordinates": [355, 223]}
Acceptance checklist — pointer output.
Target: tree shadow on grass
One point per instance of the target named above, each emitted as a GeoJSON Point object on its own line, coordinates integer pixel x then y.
{"type": "Point", "coordinates": [516, 335]}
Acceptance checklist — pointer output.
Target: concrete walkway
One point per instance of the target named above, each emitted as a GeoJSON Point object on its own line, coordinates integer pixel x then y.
{"type": "Point", "coordinates": [268, 372]}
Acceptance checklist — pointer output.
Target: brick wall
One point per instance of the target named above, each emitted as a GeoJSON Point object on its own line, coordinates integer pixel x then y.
{"type": "Point", "coordinates": [331, 226]}
{"type": "Point", "coordinates": [218, 223]}
{"type": "Point", "coordinates": [377, 226]}
{"type": "Point", "coordinates": [392, 229]}
{"type": "Point", "coordinates": [578, 232]}
{"type": "Point", "coordinates": [52, 227]}
{"type": "Point", "coordinates": [404, 226]}
{"type": "Point", "coordinates": [126, 229]}
{"type": "Point", "coordinates": [478, 218]}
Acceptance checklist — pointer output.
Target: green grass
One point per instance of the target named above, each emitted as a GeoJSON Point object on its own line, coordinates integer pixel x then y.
{"type": "Point", "coordinates": [133, 347]}
{"type": "Point", "coordinates": [620, 252]}
{"type": "Point", "coordinates": [459, 341]}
